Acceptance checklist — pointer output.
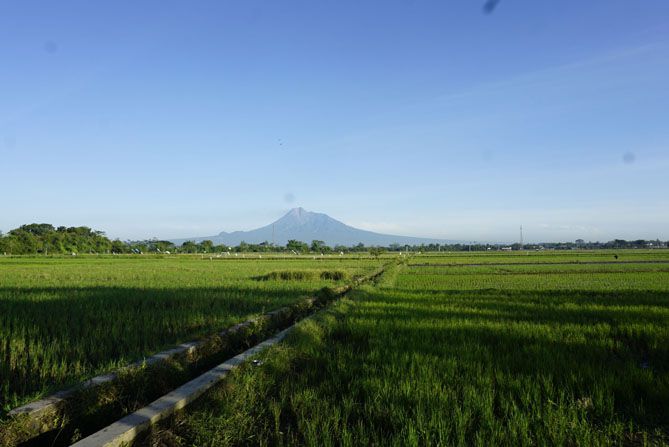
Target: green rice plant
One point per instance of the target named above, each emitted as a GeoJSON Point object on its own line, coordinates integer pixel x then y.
{"type": "Point", "coordinates": [304, 275]}
{"type": "Point", "coordinates": [63, 320]}
{"type": "Point", "coordinates": [540, 257]}
{"type": "Point", "coordinates": [482, 358]}
{"type": "Point", "coordinates": [334, 275]}
{"type": "Point", "coordinates": [289, 275]}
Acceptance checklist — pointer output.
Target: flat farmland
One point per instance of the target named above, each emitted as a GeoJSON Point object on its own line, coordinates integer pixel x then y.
{"type": "Point", "coordinates": [463, 350]}
{"type": "Point", "coordinates": [66, 319]}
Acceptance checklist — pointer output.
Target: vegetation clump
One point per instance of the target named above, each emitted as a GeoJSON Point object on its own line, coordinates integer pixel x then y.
{"type": "Point", "coordinates": [459, 352]}
{"type": "Point", "coordinates": [63, 320]}
{"type": "Point", "coordinates": [304, 275]}
{"type": "Point", "coordinates": [334, 275]}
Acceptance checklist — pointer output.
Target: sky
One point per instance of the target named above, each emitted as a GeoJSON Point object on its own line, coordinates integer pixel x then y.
{"type": "Point", "coordinates": [424, 118]}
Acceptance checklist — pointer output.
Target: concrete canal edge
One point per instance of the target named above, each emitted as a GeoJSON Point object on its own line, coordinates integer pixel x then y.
{"type": "Point", "coordinates": [35, 420]}
{"type": "Point", "coordinates": [125, 430]}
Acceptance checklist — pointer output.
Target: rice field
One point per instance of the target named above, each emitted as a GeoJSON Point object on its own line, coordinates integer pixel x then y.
{"type": "Point", "coordinates": [65, 319]}
{"type": "Point", "coordinates": [462, 350]}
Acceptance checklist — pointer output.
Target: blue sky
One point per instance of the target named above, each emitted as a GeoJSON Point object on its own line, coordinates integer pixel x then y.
{"type": "Point", "coordinates": [425, 118]}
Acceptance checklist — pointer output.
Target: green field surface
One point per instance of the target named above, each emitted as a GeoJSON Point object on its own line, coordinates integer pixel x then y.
{"type": "Point", "coordinates": [457, 357]}
{"type": "Point", "coordinates": [542, 257]}
{"type": "Point", "coordinates": [65, 319]}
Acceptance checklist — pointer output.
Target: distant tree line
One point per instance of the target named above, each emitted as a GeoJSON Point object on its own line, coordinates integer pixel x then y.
{"type": "Point", "coordinates": [47, 239]}
{"type": "Point", "coordinates": [578, 244]}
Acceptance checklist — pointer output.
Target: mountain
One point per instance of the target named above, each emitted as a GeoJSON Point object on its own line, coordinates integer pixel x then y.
{"type": "Point", "coordinates": [306, 226]}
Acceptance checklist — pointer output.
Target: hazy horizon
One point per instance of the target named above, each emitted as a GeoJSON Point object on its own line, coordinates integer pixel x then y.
{"type": "Point", "coordinates": [388, 230]}
{"type": "Point", "coordinates": [173, 120]}
{"type": "Point", "coordinates": [528, 232]}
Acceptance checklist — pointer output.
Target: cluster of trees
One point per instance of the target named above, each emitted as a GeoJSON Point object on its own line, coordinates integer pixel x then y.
{"type": "Point", "coordinates": [207, 246]}
{"type": "Point", "coordinates": [47, 239]}
{"type": "Point", "coordinates": [616, 243]}
{"type": "Point", "coordinates": [317, 246]}
{"type": "Point", "coordinates": [578, 244]}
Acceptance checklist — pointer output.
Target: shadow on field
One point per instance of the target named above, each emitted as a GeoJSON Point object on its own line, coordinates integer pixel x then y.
{"type": "Point", "coordinates": [52, 337]}
{"type": "Point", "coordinates": [545, 307]}
{"type": "Point", "coordinates": [634, 297]}
{"type": "Point", "coordinates": [460, 367]}
{"type": "Point", "coordinates": [613, 345]}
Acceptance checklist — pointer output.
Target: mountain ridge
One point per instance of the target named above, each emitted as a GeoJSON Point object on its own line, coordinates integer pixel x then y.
{"type": "Point", "coordinates": [303, 225]}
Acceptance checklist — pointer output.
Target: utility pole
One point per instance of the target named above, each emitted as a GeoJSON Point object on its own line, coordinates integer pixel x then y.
{"type": "Point", "coordinates": [521, 237]}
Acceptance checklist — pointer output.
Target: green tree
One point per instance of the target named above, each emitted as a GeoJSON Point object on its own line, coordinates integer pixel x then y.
{"type": "Point", "coordinates": [119, 247]}
{"type": "Point", "coordinates": [319, 247]}
{"type": "Point", "coordinates": [358, 248]}
{"type": "Point", "coordinates": [206, 246]}
{"type": "Point", "coordinates": [37, 229]}
{"type": "Point", "coordinates": [189, 247]}
{"type": "Point", "coordinates": [297, 246]}
{"type": "Point", "coordinates": [376, 251]}
{"type": "Point", "coordinates": [45, 238]}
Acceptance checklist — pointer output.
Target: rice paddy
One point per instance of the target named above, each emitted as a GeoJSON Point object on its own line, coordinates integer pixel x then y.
{"type": "Point", "coordinates": [463, 350]}
{"type": "Point", "coordinates": [65, 319]}
{"type": "Point", "coordinates": [444, 349]}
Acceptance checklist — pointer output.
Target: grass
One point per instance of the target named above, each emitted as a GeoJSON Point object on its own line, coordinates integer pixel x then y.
{"type": "Point", "coordinates": [66, 319]}
{"type": "Point", "coordinates": [458, 357]}
{"type": "Point", "coordinates": [542, 257]}
{"type": "Point", "coordinates": [304, 275]}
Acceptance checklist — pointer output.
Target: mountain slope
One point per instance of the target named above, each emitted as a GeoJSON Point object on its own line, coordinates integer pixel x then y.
{"type": "Point", "coordinates": [306, 226]}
